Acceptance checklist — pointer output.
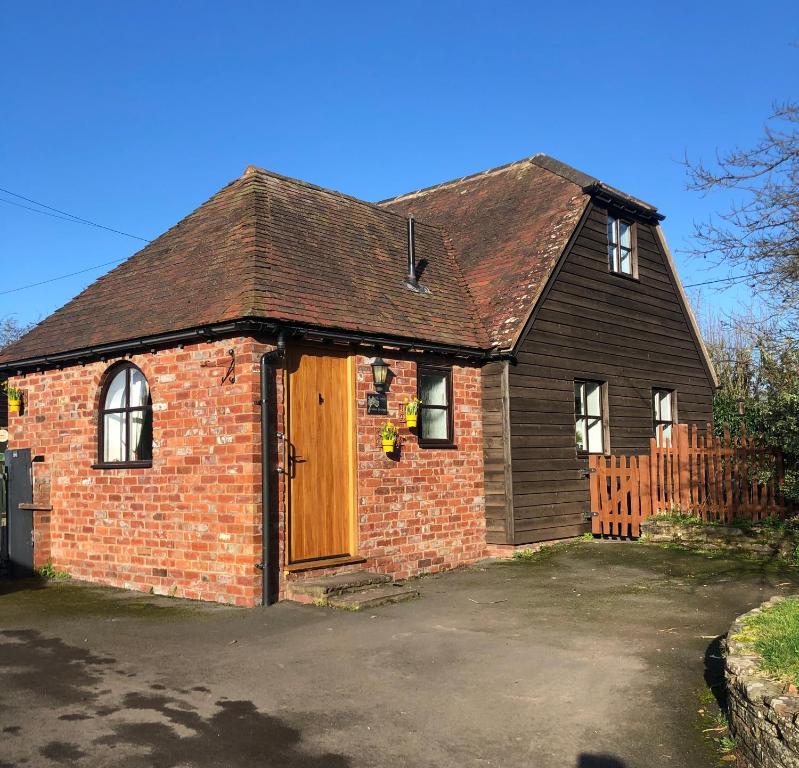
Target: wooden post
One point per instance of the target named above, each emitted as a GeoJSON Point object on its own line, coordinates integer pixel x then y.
{"type": "Point", "coordinates": [684, 470]}
{"type": "Point", "coordinates": [645, 480]}
{"type": "Point", "coordinates": [593, 484]}
{"type": "Point", "coordinates": [729, 462]}
{"type": "Point", "coordinates": [635, 498]}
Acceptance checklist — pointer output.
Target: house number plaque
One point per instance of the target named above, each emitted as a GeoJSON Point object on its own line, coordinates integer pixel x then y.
{"type": "Point", "coordinates": [377, 404]}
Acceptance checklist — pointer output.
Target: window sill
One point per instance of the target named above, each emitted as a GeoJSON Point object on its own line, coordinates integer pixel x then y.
{"type": "Point", "coordinates": [447, 445]}
{"type": "Point", "coordinates": [123, 465]}
{"type": "Point", "coordinates": [622, 275]}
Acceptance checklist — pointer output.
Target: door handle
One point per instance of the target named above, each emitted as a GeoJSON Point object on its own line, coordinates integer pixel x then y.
{"type": "Point", "coordinates": [293, 460]}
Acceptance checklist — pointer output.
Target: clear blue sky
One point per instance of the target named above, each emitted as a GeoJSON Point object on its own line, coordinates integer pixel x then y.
{"type": "Point", "coordinates": [133, 113]}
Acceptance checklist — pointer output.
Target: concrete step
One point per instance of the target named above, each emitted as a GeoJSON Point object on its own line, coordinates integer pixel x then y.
{"type": "Point", "coordinates": [319, 590]}
{"type": "Point", "coordinates": [372, 597]}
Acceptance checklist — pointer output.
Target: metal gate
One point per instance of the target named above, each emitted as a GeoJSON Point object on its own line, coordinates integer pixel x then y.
{"type": "Point", "coordinates": [20, 521]}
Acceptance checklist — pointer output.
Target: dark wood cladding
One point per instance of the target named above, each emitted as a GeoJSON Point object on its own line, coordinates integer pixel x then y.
{"type": "Point", "coordinates": [591, 324]}
{"type": "Point", "coordinates": [497, 453]}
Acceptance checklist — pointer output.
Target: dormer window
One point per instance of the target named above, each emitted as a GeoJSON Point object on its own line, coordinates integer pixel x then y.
{"type": "Point", "coordinates": [621, 247]}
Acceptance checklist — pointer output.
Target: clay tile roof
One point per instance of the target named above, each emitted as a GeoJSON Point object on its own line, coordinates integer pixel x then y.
{"type": "Point", "coordinates": [270, 247]}
{"type": "Point", "coordinates": [273, 248]}
{"type": "Point", "coordinates": [508, 227]}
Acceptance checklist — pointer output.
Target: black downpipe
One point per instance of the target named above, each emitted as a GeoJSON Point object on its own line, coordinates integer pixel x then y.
{"type": "Point", "coordinates": [269, 562]}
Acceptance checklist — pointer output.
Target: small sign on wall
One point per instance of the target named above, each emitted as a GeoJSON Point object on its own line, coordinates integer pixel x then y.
{"type": "Point", "coordinates": [377, 404]}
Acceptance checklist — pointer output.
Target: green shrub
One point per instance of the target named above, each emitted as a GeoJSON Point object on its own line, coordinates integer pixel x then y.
{"type": "Point", "coordinates": [49, 571]}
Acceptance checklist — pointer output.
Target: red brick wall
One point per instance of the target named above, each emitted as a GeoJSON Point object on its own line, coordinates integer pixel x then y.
{"type": "Point", "coordinates": [190, 525]}
{"type": "Point", "coordinates": [423, 512]}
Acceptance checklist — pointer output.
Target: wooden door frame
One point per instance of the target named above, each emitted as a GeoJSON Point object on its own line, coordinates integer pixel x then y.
{"type": "Point", "coordinates": [352, 445]}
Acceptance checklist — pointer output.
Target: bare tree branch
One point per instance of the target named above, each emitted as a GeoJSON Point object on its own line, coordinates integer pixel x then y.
{"type": "Point", "coordinates": [759, 233]}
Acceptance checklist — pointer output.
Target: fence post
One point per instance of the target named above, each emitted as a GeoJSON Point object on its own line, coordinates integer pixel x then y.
{"type": "Point", "coordinates": [596, 501]}
{"type": "Point", "coordinates": [645, 479]}
{"type": "Point", "coordinates": [729, 454]}
{"type": "Point", "coordinates": [684, 470]}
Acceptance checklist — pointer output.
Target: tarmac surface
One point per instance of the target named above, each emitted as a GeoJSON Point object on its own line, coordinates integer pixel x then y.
{"type": "Point", "coordinates": [590, 657]}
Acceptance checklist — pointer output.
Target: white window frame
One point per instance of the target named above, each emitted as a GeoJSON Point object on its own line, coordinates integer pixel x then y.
{"type": "Point", "coordinates": [587, 417]}
{"type": "Point", "coordinates": [616, 249]}
{"type": "Point", "coordinates": [658, 419]}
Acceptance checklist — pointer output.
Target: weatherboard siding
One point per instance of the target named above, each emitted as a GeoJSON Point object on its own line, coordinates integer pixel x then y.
{"type": "Point", "coordinates": [632, 334]}
{"type": "Point", "coordinates": [496, 453]}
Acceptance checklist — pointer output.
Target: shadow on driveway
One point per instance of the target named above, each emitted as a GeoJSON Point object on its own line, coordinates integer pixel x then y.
{"type": "Point", "coordinates": [158, 728]}
{"type": "Point", "coordinates": [599, 761]}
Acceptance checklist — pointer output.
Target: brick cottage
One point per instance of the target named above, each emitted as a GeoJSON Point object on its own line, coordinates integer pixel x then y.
{"type": "Point", "coordinates": [204, 420]}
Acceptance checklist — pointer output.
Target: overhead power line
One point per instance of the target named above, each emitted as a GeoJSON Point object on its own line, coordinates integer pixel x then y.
{"type": "Point", "coordinates": [60, 277]}
{"type": "Point", "coordinates": [730, 279]}
{"type": "Point", "coordinates": [63, 215]}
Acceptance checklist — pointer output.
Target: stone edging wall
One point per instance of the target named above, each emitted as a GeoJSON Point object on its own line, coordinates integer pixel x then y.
{"type": "Point", "coordinates": [764, 719]}
{"type": "Point", "coordinates": [762, 542]}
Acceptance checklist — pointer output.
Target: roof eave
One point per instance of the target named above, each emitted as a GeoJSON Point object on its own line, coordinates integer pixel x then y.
{"type": "Point", "coordinates": [610, 196]}
{"type": "Point", "coordinates": [255, 326]}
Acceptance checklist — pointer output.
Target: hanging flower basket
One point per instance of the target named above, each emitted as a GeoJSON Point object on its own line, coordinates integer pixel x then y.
{"type": "Point", "coordinates": [412, 412]}
{"type": "Point", "coordinates": [14, 398]}
{"type": "Point", "coordinates": [388, 436]}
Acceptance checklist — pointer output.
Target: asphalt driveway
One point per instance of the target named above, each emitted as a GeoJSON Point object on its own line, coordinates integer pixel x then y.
{"type": "Point", "coordinates": [589, 658]}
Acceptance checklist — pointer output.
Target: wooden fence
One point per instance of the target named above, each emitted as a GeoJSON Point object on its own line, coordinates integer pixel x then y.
{"type": "Point", "coordinates": [696, 472]}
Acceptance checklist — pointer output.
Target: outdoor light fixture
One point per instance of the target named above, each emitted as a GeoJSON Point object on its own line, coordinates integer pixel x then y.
{"type": "Point", "coordinates": [380, 372]}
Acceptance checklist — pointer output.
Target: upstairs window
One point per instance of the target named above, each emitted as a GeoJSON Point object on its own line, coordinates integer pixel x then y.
{"type": "Point", "coordinates": [434, 389]}
{"type": "Point", "coordinates": [126, 418]}
{"type": "Point", "coordinates": [621, 247]}
{"type": "Point", "coordinates": [589, 416]}
{"type": "Point", "coordinates": [664, 408]}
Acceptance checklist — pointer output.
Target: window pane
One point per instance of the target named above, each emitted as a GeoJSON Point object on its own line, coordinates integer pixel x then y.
{"type": "Point", "coordinates": [625, 238]}
{"type": "Point", "coordinates": [593, 395]}
{"type": "Point", "coordinates": [115, 397]}
{"type": "Point", "coordinates": [141, 435]}
{"type": "Point", "coordinates": [665, 406]}
{"type": "Point", "coordinates": [114, 437]}
{"type": "Point", "coordinates": [611, 230]}
{"type": "Point", "coordinates": [595, 437]}
{"type": "Point", "coordinates": [138, 389]}
{"type": "Point", "coordinates": [581, 436]}
{"type": "Point", "coordinates": [667, 432]}
{"type": "Point", "coordinates": [434, 424]}
{"type": "Point", "coordinates": [626, 262]}
{"type": "Point", "coordinates": [433, 389]}
{"type": "Point", "coordinates": [612, 258]}
{"type": "Point", "coordinates": [579, 389]}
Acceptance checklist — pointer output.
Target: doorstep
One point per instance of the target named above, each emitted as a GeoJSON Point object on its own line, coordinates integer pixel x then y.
{"type": "Point", "coordinates": [351, 591]}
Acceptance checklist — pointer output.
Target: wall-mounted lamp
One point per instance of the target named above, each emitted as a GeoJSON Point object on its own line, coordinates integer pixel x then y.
{"type": "Point", "coordinates": [380, 373]}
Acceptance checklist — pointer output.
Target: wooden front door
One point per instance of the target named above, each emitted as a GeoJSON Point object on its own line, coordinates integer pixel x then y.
{"type": "Point", "coordinates": [320, 455]}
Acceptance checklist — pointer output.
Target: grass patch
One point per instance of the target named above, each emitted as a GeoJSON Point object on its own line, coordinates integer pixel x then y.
{"type": "Point", "coordinates": [542, 553]}
{"type": "Point", "coordinates": [774, 635]}
{"type": "Point", "coordinates": [713, 725]}
{"type": "Point", "coordinates": [681, 518]}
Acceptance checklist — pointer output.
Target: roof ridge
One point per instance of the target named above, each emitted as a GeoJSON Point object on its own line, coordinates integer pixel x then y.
{"type": "Point", "coordinates": [256, 169]}
{"type": "Point", "coordinates": [459, 180]}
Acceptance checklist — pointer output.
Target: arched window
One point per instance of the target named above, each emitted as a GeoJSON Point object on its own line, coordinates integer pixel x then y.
{"type": "Point", "coordinates": [126, 417]}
